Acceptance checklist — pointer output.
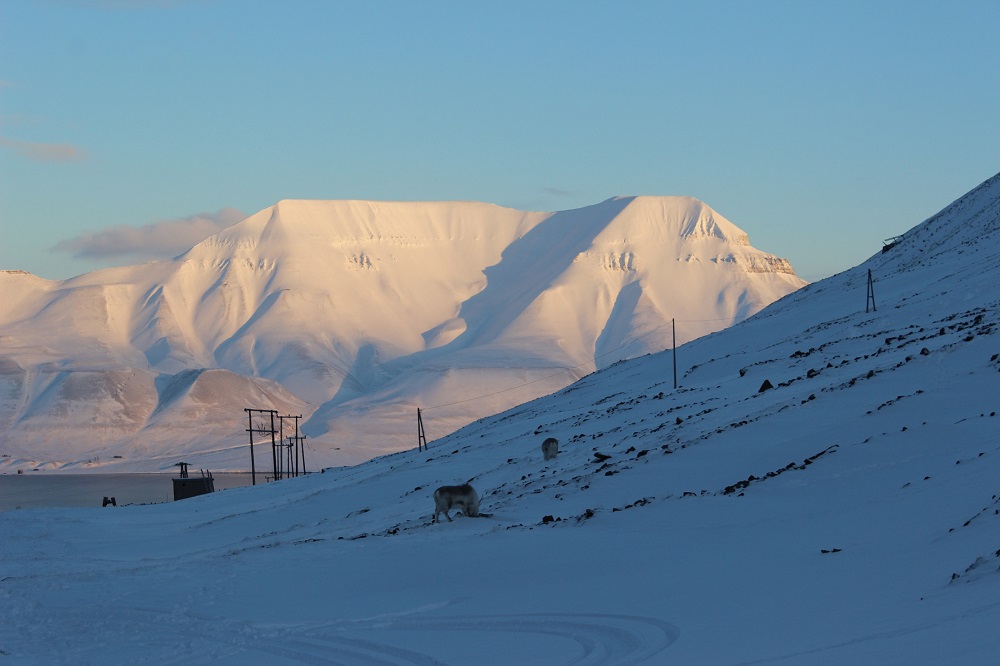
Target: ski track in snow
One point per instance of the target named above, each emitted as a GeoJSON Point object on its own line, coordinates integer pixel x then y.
{"type": "Point", "coordinates": [580, 639]}
{"type": "Point", "coordinates": [800, 657]}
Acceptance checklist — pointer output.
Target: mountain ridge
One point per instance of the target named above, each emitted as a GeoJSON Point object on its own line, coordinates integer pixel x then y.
{"type": "Point", "coordinates": [365, 310]}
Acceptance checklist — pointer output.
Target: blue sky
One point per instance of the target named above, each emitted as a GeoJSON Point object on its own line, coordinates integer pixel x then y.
{"type": "Point", "coordinates": [129, 128]}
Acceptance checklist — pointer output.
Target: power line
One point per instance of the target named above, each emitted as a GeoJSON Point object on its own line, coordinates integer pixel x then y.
{"type": "Point", "coordinates": [587, 362]}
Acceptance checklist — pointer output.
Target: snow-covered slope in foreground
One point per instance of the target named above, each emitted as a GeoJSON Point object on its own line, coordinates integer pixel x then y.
{"type": "Point", "coordinates": [353, 314]}
{"type": "Point", "coordinates": [847, 515]}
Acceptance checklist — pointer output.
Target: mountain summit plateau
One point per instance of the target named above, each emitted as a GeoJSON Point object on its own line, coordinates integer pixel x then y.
{"type": "Point", "coordinates": [354, 314]}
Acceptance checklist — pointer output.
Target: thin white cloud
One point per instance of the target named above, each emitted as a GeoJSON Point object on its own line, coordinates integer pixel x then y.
{"type": "Point", "coordinates": [128, 5]}
{"type": "Point", "coordinates": [44, 152]}
{"type": "Point", "coordinates": [159, 240]}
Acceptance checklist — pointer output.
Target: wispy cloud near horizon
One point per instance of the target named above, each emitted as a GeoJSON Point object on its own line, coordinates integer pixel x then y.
{"type": "Point", "coordinates": [557, 192]}
{"type": "Point", "coordinates": [129, 5]}
{"type": "Point", "coordinates": [160, 240]}
{"type": "Point", "coordinates": [44, 152]}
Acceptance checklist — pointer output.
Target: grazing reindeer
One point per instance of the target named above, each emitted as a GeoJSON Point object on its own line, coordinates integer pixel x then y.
{"type": "Point", "coordinates": [462, 497]}
{"type": "Point", "coordinates": [550, 448]}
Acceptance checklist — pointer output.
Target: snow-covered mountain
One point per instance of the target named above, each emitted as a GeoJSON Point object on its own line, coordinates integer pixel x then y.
{"type": "Point", "coordinates": [354, 314]}
{"type": "Point", "coordinates": [848, 514]}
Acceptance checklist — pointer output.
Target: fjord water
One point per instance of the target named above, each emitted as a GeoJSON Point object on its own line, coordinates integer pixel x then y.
{"type": "Point", "coordinates": [38, 490]}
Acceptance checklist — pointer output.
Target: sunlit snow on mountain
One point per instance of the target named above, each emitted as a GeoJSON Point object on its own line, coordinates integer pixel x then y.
{"type": "Point", "coordinates": [354, 314]}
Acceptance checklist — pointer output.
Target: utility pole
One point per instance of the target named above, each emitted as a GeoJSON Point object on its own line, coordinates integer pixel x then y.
{"type": "Point", "coordinates": [261, 429]}
{"type": "Point", "coordinates": [274, 447]}
{"type": "Point", "coordinates": [673, 326]}
{"type": "Point", "coordinates": [421, 437]}
{"type": "Point", "coordinates": [253, 467]}
{"type": "Point", "coordinates": [870, 298]}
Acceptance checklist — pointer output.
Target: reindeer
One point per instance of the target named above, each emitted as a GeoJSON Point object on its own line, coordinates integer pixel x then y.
{"type": "Point", "coordinates": [550, 448]}
{"type": "Point", "coordinates": [462, 497]}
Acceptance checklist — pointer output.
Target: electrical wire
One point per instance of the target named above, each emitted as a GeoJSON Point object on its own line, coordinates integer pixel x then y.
{"type": "Point", "coordinates": [588, 361]}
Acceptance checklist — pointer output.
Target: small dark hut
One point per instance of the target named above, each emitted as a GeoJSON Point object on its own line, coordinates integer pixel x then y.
{"type": "Point", "coordinates": [185, 486]}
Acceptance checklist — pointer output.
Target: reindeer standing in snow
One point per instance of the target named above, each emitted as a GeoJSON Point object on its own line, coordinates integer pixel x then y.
{"type": "Point", "coordinates": [550, 448]}
{"type": "Point", "coordinates": [462, 497]}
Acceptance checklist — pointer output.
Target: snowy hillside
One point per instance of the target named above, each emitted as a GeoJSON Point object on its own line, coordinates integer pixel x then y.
{"type": "Point", "coordinates": [354, 313]}
{"type": "Point", "coordinates": [848, 514]}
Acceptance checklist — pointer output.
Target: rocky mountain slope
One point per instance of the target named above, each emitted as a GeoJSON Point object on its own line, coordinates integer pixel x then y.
{"type": "Point", "coordinates": [353, 314]}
